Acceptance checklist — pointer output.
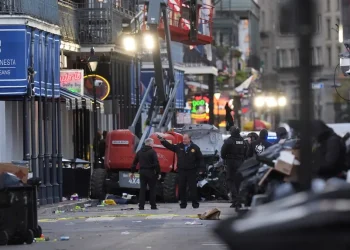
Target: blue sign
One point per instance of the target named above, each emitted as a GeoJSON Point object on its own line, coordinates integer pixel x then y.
{"type": "Point", "coordinates": [13, 58]}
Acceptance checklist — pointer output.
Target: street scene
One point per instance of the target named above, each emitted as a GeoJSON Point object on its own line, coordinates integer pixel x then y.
{"type": "Point", "coordinates": [178, 124]}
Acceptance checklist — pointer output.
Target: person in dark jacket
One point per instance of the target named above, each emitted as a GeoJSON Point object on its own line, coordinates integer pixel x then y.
{"type": "Point", "coordinates": [228, 117]}
{"type": "Point", "coordinates": [259, 146]}
{"type": "Point", "coordinates": [329, 151]}
{"type": "Point", "coordinates": [189, 162]}
{"type": "Point", "coordinates": [281, 133]}
{"type": "Point", "coordinates": [233, 152]}
{"type": "Point", "coordinates": [149, 173]}
{"type": "Point", "coordinates": [102, 145]}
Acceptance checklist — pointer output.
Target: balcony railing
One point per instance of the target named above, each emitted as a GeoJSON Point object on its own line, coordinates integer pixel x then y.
{"type": "Point", "coordinates": [101, 25]}
{"type": "Point", "coordinates": [45, 10]}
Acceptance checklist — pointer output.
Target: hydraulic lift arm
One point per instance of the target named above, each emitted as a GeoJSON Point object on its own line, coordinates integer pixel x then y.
{"type": "Point", "coordinates": [164, 89]}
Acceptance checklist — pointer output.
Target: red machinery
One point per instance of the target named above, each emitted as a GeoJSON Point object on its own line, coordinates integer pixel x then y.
{"type": "Point", "coordinates": [177, 22]}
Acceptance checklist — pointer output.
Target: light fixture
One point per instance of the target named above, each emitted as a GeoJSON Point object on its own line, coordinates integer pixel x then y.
{"type": "Point", "coordinates": [282, 101]}
{"type": "Point", "coordinates": [149, 41]}
{"type": "Point", "coordinates": [217, 96]}
{"type": "Point", "coordinates": [129, 43]}
{"type": "Point", "coordinates": [340, 34]}
{"type": "Point", "coordinates": [92, 61]}
{"type": "Point", "coordinates": [271, 102]}
{"type": "Point", "coordinates": [259, 101]}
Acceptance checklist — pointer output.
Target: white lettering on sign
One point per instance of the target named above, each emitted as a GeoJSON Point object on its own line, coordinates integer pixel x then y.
{"type": "Point", "coordinates": [5, 72]}
{"type": "Point", "coordinates": [120, 143]}
{"type": "Point", "coordinates": [7, 62]}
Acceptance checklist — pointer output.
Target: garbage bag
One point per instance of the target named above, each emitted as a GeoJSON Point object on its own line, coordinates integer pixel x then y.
{"type": "Point", "coordinates": [9, 180]}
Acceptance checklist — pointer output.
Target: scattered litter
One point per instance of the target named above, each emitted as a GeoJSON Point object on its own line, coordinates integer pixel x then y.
{"type": "Point", "coordinates": [137, 221]}
{"type": "Point", "coordinates": [58, 212]}
{"type": "Point", "coordinates": [125, 233]}
{"type": "Point", "coordinates": [193, 223]}
{"type": "Point", "coordinates": [39, 239]}
{"type": "Point", "coordinates": [127, 209]}
{"type": "Point", "coordinates": [74, 197]}
{"type": "Point", "coordinates": [102, 205]}
{"type": "Point", "coordinates": [87, 205]}
{"type": "Point", "coordinates": [47, 239]}
{"type": "Point", "coordinates": [64, 238]}
{"type": "Point", "coordinates": [109, 202]}
{"type": "Point", "coordinates": [148, 247]}
{"type": "Point", "coordinates": [64, 199]}
{"type": "Point", "coordinates": [212, 214]}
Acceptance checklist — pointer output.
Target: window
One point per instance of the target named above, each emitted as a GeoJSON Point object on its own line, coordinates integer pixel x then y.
{"type": "Point", "coordinates": [292, 58]}
{"type": "Point", "coordinates": [263, 20]}
{"type": "Point", "coordinates": [328, 5]}
{"type": "Point", "coordinates": [312, 55]}
{"type": "Point", "coordinates": [329, 54]}
{"type": "Point", "coordinates": [318, 56]}
{"type": "Point", "coordinates": [328, 29]}
{"type": "Point", "coordinates": [319, 23]}
{"type": "Point", "coordinates": [339, 50]}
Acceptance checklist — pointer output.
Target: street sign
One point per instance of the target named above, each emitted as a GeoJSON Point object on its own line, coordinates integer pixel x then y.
{"type": "Point", "coordinates": [318, 85]}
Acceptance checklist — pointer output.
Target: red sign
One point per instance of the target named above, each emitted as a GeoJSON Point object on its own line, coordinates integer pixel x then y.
{"type": "Point", "coordinates": [72, 80]}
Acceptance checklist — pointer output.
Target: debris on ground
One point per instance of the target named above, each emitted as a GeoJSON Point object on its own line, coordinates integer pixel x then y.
{"type": "Point", "coordinates": [109, 202]}
{"type": "Point", "coordinates": [125, 233]}
{"type": "Point", "coordinates": [193, 223]}
{"type": "Point", "coordinates": [137, 221]}
{"type": "Point", "coordinates": [212, 214]}
{"type": "Point", "coordinates": [64, 238]}
{"type": "Point", "coordinates": [127, 209]}
{"type": "Point", "coordinates": [74, 197]}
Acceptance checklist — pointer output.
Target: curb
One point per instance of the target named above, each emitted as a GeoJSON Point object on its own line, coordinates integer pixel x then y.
{"type": "Point", "coordinates": [65, 207]}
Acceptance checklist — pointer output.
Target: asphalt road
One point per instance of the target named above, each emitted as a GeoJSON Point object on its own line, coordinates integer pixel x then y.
{"type": "Point", "coordinates": [109, 228]}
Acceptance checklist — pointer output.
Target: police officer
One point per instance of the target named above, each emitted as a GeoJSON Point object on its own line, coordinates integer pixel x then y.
{"type": "Point", "coordinates": [233, 151]}
{"type": "Point", "coordinates": [149, 173]}
{"type": "Point", "coordinates": [189, 162]}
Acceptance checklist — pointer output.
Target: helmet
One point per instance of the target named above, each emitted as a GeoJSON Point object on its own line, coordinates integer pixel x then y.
{"type": "Point", "coordinates": [235, 130]}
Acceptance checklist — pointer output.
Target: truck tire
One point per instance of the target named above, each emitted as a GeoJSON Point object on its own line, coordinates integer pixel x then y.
{"type": "Point", "coordinates": [98, 187]}
{"type": "Point", "coordinates": [171, 187]}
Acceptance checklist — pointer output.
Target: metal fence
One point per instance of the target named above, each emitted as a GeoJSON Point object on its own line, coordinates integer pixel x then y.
{"type": "Point", "coordinates": [45, 10]}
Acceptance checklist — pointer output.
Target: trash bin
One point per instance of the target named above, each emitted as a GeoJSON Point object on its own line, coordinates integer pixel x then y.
{"type": "Point", "coordinates": [15, 203]}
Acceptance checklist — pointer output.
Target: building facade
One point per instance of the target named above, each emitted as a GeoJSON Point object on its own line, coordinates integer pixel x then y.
{"type": "Point", "coordinates": [280, 57]}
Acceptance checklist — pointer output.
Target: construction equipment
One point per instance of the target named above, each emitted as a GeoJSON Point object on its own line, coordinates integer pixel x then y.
{"type": "Point", "coordinates": [174, 21]}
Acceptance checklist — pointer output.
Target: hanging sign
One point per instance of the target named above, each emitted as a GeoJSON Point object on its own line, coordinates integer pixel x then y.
{"type": "Point", "coordinates": [72, 80]}
{"type": "Point", "coordinates": [102, 86]}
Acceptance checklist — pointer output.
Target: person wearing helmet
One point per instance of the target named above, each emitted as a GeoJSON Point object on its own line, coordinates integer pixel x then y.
{"type": "Point", "coordinates": [281, 133]}
{"type": "Point", "coordinates": [259, 146]}
{"type": "Point", "coordinates": [233, 152]}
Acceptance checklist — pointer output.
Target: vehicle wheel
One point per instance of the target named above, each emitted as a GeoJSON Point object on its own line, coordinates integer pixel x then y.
{"type": "Point", "coordinates": [171, 187]}
{"type": "Point", "coordinates": [98, 187]}
{"type": "Point", "coordinates": [37, 232]}
{"type": "Point", "coordinates": [4, 238]}
{"type": "Point", "coordinates": [29, 237]}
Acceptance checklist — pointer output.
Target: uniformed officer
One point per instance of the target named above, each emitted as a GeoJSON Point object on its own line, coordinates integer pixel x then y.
{"type": "Point", "coordinates": [189, 162]}
{"type": "Point", "coordinates": [149, 173]}
{"type": "Point", "coordinates": [233, 152]}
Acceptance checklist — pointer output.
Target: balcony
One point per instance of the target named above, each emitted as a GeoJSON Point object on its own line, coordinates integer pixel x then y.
{"type": "Point", "coordinates": [68, 21]}
{"type": "Point", "coordinates": [45, 10]}
{"type": "Point", "coordinates": [101, 25]}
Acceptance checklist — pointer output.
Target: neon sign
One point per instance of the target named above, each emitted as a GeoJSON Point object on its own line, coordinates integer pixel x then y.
{"type": "Point", "coordinates": [196, 104]}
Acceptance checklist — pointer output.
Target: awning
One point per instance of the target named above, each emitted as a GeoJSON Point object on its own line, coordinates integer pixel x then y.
{"type": "Point", "coordinates": [74, 100]}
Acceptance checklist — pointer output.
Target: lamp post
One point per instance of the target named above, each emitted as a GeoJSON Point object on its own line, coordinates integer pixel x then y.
{"type": "Point", "coordinates": [93, 63]}
{"type": "Point", "coordinates": [217, 97]}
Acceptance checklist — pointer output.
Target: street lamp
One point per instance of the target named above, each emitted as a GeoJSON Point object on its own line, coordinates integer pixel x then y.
{"type": "Point", "coordinates": [217, 97]}
{"type": "Point", "coordinates": [93, 63]}
{"type": "Point", "coordinates": [129, 43]}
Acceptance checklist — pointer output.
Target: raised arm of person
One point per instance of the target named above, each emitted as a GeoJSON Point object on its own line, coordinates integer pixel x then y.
{"type": "Point", "coordinates": [168, 145]}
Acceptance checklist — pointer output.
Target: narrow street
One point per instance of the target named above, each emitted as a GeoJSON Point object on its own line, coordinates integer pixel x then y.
{"type": "Point", "coordinates": [124, 227]}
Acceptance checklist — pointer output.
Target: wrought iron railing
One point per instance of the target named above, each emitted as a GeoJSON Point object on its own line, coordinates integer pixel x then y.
{"type": "Point", "coordinates": [45, 10]}
{"type": "Point", "coordinates": [101, 25]}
